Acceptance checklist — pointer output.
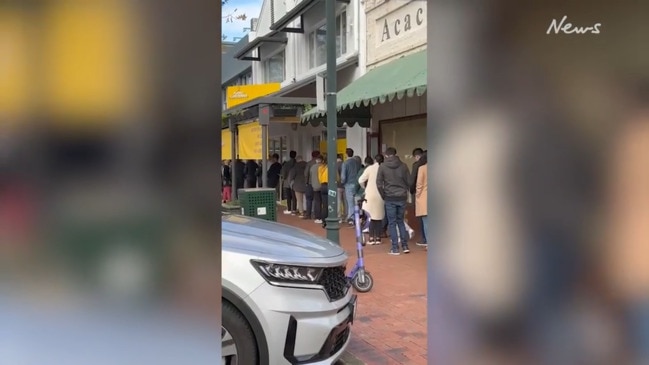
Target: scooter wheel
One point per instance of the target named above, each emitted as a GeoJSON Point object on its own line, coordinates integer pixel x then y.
{"type": "Point", "coordinates": [363, 240]}
{"type": "Point", "coordinates": [363, 282]}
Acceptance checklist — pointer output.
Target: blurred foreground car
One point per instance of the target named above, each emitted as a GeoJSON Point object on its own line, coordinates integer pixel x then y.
{"type": "Point", "coordinates": [286, 299]}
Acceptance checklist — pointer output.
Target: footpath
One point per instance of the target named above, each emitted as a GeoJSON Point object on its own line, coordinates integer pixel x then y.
{"type": "Point", "coordinates": [390, 326]}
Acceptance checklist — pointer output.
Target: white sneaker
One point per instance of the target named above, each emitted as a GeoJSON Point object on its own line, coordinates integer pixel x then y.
{"type": "Point", "coordinates": [366, 230]}
{"type": "Point", "coordinates": [318, 221]}
{"type": "Point", "coordinates": [287, 212]}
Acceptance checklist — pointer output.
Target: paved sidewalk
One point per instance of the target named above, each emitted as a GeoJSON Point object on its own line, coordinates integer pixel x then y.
{"type": "Point", "coordinates": [390, 327]}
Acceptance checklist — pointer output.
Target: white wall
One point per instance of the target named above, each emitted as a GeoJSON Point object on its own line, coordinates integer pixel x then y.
{"type": "Point", "coordinates": [297, 68]}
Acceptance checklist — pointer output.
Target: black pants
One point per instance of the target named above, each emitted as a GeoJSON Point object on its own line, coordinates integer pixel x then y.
{"type": "Point", "coordinates": [376, 228]}
{"type": "Point", "coordinates": [308, 195]}
{"type": "Point", "coordinates": [291, 202]}
{"type": "Point", "coordinates": [324, 197]}
{"type": "Point", "coordinates": [317, 204]}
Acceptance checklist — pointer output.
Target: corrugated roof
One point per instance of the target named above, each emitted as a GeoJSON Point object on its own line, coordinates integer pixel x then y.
{"type": "Point", "coordinates": [232, 67]}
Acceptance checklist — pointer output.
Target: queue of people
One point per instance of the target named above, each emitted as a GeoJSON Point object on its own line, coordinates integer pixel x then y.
{"type": "Point", "coordinates": [384, 182]}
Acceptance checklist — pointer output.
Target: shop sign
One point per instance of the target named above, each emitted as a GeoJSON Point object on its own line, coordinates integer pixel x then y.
{"type": "Point", "coordinates": [240, 94]}
{"type": "Point", "coordinates": [402, 22]}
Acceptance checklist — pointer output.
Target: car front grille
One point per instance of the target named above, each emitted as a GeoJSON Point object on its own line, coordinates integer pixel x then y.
{"type": "Point", "coordinates": [335, 282]}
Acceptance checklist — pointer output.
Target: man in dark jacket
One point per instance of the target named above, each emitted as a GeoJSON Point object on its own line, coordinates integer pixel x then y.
{"type": "Point", "coordinates": [239, 174]}
{"type": "Point", "coordinates": [250, 171]}
{"type": "Point", "coordinates": [348, 175]}
{"type": "Point", "coordinates": [393, 183]}
{"type": "Point", "coordinates": [289, 194]}
{"type": "Point", "coordinates": [418, 153]}
{"type": "Point", "coordinates": [272, 179]}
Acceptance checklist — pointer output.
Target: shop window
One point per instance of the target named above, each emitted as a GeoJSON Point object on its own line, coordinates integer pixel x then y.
{"type": "Point", "coordinates": [318, 42]}
{"type": "Point", "coordinates": [405, 136]}
{"type": "Point", "coordinates": [274, 68]}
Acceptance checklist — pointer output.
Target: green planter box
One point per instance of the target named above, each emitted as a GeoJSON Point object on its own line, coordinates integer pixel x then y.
{"type": "Point", "coordinates": [258, 203]}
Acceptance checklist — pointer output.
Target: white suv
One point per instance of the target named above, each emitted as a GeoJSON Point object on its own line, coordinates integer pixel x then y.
{"type": "Point", "coordinates": [286, 298]}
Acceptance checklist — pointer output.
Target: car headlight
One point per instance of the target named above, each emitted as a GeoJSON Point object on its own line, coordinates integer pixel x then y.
{"type": "Point", "coordinates": [289, 274]}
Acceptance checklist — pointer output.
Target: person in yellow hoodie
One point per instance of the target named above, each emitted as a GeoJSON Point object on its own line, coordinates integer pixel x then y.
{"type": "Point", "coordinates": [323, 177]}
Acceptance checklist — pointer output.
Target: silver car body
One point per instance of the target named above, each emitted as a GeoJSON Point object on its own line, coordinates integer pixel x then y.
{"type": "Point", "coordinates": [293, 324]}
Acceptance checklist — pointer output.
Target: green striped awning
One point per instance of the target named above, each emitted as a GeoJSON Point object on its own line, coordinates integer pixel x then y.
{"type": "Point", "coordinates": [405, 76]}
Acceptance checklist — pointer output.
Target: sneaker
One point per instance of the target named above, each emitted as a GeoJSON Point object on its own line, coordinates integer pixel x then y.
{"type": "Point", "coordinates": [406, 249]}
{"type": "Point", "coordinates": [350, 222]}
{"type": "Point", "coordinates": [422, 244]}
{"type": "Point", "coordinates": [366, 230]}
{"type": "Point", "coordinates": [318, 221]}
{"type": "Point", "coordinates": [394, 253]}
{"type": "Point", "coordinates": [287, 212]}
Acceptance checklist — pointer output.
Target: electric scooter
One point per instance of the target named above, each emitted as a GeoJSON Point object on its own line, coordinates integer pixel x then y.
{"type": "Point", "coordinates": [361, 279]}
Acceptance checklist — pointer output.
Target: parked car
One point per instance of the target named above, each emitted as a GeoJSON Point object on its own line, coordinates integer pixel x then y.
{"type": "Point", "coordinates": [286, 299]}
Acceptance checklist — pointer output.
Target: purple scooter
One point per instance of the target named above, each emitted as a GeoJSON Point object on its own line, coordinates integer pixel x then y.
{"type": "Point", "coordinates": [361, 280]}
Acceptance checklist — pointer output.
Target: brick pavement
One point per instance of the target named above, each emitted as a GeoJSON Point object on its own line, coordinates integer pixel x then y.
{"type": "Point", "coordinates": [390, 327]}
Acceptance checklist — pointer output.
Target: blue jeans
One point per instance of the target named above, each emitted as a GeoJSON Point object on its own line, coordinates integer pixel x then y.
{"type": "Point", "coordinates": [349, 201]}
{"type": "Point", "coordinates": [395, 211]}
{"type": "Point", "coordinates": [424, 228]}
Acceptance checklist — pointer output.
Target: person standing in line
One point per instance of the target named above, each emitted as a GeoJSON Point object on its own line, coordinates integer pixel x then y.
{"type": "Point", "coordinates": [340, 193]}
{"type": "Point", "coordinates": [274, 171]}
{"type": "Point", "coordinates": [250, 171]}
{"type": "Point", "coordinates": [393, 183]}
{"type": "Point", "coordinates": [348, 179]}
{"type": "Point", "coordinates": [309, 179]}
{"type": "Point", "coordinates": [421, 195]}
{"type": "Point", "coordinates": [260, 183]}
{"type": "Point", "coordinates": [323, 174]}
{"type": "Point", "coordinates": [289, 195]}
{"type": "Point", "coordinates": [226, 180]}
{"type": "Point", "coordinates": [418, 153]}
{"type": "Point", "coordinates": [239, 173]}
{"type": "Point", "coordinates": [298, 183]}
{"type": "Point", "coordinates": [373, 204]}
{"type": "Point", "coordinates": [314, 177]}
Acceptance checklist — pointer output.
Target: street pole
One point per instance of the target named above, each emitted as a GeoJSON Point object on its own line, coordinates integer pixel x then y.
{"type": "Point", "coordinates": [333, 227]}
{"type": "Point", "coordinates": [264, 121]}
{"type": "Point", "coordinates": [233, 155]}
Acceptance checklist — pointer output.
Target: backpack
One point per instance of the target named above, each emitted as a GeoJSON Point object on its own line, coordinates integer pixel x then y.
{"type": "Point", "coordinates": [323, 174]}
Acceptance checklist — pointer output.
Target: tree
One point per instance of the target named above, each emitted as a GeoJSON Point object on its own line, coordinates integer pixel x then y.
{"type": "Point", "coordinates": [230, 17]}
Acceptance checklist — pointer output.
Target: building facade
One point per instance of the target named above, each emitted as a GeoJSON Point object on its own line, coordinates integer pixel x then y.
{"type": "Point", "coordinates": [396, 29]}
{"type": "Point", "coordinates": [288, 46]}
{"type": "Point", "coordinates": [234, 71]}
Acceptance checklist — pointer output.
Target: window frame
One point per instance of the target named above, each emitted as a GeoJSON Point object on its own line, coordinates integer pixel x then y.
{"type": "Point", "coordinates": [266, 68]}
{"type": "Point", "coordinates": [311, 38]}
